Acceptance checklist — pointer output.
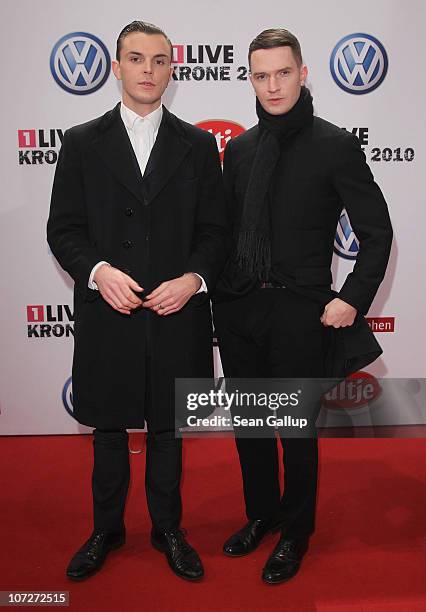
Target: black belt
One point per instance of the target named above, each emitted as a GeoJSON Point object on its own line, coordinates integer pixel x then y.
{"type": "Point", "coordinates": [272, 285]}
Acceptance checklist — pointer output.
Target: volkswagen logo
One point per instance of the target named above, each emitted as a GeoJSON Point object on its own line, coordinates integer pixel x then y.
{"type": "Point", "coordinates": [67, 396]}
{"type": "Point", "coordinates": [80, 63]}
{"type": "Point", "coordinates": [358, 63]}
{"type": "Point", "coordinates": [346, 244]}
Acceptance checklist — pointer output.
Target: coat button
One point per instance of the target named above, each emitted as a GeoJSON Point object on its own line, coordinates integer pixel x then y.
{"type": "Point", "coordinates": [129, 212]}
{"type": "Point", "coordinates": [127, 244]}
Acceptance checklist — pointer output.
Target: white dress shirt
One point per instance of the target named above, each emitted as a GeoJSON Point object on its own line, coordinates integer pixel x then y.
{"type": "Point", "coordinates": [142, 132]}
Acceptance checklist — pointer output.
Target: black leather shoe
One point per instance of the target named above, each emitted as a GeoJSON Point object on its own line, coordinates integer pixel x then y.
{"type": "Point", "coordinates": [182, 558]}
{"type": "Point", "coordinates": [285, 559]}
{"type": "Point", "coordinates": [91, 556]}
{"type": "Point", "coordinates": [249, 537]}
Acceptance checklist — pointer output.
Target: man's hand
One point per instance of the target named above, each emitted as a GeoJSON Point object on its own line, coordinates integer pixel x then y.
{"type": "Point", "coordinates": [117, 289]}
{"type": "Point", "coordinates": [172, 295]}
{"type": "Point", "coordinates": [338, 313]}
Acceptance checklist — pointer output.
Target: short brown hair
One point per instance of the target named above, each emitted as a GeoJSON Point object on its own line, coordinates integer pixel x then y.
{"type": "Point", "coordinates": [145, 28]}
{"type": "Point", "coordinates": [276, 37]}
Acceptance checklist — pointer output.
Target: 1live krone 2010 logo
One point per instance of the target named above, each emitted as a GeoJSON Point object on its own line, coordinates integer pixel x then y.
{"type": "Point", "coordinates": [206, 62]}
{"type": "Point", "coordinates": [50, 321]}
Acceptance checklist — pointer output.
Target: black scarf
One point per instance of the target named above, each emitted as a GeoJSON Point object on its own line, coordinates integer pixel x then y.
{"type": "Point", "coordinates": [253, 251]}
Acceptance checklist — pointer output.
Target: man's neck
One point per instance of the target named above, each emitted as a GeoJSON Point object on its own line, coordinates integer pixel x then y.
{"type": "Point", "coordinates": [140, 109]}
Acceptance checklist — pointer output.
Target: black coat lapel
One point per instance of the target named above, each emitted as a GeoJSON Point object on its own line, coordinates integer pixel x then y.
{"type": "Point", "coordinates": [168, 152]}
{"type": "Point", "coordinates": [114, 147]}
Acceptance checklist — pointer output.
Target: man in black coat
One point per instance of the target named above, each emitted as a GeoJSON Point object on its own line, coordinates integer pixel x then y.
{"type": "Point", "coordinates": [138, 220]}
{"type": "Point", "coordinates": [275, 314]}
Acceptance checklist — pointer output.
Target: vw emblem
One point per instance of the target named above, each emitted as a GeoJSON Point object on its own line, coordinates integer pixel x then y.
{"type": "Point", "coordinates": [346, 244]}
{"type": "Point", "coordinates": [67, 396]}
{"type": "Point", "coordinates": [358, 63]}
{"type": "Point", "coordinates": [80, 63]}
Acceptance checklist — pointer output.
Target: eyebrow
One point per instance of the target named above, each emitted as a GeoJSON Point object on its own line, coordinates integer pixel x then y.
{"type": "Point", "coordinates": [140, 54]}
{"type": "Point", "coordinates": [279, 70]}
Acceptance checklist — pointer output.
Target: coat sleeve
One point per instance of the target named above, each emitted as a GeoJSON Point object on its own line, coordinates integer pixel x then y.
{"type": "Point", "coordinates": [68, 231]}
{"type": "Point", "coordinates": [369, 217]}
{"type": "Point", "coordinates": [209, 251]}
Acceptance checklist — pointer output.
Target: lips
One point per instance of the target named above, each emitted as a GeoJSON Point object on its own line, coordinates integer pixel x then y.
{"type": "Point", "coordinates": [147, 84]}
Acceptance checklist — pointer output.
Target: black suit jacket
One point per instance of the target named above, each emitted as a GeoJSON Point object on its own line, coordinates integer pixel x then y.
{"type": "Point", "coordinates": [156, 227]}
{"type": "Point", "coordinates": [322, 169]}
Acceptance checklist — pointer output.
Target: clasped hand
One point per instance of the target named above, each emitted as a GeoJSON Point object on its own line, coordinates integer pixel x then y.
{"type": "Point", "coordinates": [172, 295]}
{"type": "Point", "coordinates": [118, 290]}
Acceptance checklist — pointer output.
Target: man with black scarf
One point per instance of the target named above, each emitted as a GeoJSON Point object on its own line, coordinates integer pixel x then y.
{"type": "Point", "coordinates": [287, 180]}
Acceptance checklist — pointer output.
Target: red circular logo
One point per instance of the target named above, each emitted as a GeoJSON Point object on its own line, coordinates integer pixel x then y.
{"type": "Point", "coordinates": [357, 390]}
{"type": "Point", "coordinates": [222, 130]}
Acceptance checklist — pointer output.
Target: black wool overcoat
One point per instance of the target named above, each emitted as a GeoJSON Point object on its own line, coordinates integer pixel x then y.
{"type": "Point", "coordinates": [155, 228]}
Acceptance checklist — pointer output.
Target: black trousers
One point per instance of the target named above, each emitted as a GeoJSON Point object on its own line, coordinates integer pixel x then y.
{"type": "Point", "coordinates": [275, 333]}
{"type": "Point", "coordinates": [111, 475]}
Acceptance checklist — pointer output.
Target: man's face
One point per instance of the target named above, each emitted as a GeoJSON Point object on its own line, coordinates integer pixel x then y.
{"type": "Point", "coordinates": [144, 68]}
{"type": "Point", "coordinates": [276, 78]}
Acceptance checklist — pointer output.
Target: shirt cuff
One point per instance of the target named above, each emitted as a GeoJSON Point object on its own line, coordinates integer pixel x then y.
{"type": "Point", "coordinates": [91, 284]}
{"type": "Point", "coordinates": [203, 287]}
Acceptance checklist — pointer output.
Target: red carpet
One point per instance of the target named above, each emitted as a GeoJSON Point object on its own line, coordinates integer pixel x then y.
{"type": "Point", "coordinates": [368, 553]}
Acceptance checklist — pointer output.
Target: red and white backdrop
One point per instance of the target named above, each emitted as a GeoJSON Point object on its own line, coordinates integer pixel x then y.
{"type": "Point", "coordinates": [363, 61]}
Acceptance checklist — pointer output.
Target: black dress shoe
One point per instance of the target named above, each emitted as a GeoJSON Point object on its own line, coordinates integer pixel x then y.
{"type": "Point", "coordinates": [285, 559]}
{"type": "Point", "coordinates": [91, 556]}
{"type": "Point", "coordinates": [182, 558]}
{"type": "Point", "coordinates": [249, 537]}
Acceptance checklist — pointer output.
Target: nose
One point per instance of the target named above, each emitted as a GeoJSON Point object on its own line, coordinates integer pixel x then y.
{"type": "Point", "coordinates": [273, 85]}
{"type": "Point", "coordinates": [147, 67]}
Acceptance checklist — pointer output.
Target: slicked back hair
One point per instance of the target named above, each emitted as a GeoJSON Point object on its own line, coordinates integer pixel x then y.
{"type": "Point", "coordinates": [145, 28]}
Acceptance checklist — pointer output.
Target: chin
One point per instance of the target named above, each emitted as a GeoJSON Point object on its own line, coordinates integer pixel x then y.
{"type": "Point", "coordinates": [147, 99]}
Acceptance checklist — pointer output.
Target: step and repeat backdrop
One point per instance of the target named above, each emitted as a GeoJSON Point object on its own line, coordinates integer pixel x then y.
{"type": "Point", "coordinates": [364, 64]}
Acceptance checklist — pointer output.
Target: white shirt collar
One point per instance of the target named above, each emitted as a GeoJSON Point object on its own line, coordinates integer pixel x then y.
{"type": "Point", "coordinates": [129, 117]}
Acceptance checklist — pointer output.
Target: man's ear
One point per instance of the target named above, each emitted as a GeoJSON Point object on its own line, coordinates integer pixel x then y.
{"type": "Point", "coordinates": [116, 69]}
{"type": "Point", "coordinates": [303, 74]}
